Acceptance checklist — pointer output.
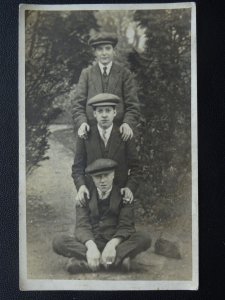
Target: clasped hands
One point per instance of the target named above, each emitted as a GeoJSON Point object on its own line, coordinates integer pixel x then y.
{"type": "Point", "coordinates": [83, 193]}
{"type": "Point", "coordinates": [125, 130]}
{"type": "Point", "coordinates": [107, 258]}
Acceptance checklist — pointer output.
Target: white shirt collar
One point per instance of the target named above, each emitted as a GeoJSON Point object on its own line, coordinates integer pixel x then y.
{"type": "Point", "coordinates": [109, 66]}
{"type": "Point", "coordinates": [105, 195]}
{"type": "Point", "coordinates": [107, 132]}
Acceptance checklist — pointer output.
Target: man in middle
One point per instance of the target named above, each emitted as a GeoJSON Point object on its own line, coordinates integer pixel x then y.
{"type": "Point", "coordinates": [104, 141]}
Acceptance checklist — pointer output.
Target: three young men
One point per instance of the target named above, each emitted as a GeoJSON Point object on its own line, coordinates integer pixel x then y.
{"type": "Point", "coordinates": [106, 169]}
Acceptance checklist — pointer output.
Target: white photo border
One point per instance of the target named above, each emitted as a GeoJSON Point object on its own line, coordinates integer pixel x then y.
{"type": "Point", "coordinates": [27, 284]}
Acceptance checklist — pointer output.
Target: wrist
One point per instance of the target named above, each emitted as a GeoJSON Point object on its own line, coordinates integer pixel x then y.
{"type": "Point", "coordinates": [114, 242]}
{"type": "Point", "coordinates": [90, 244]}
{"type": "Point", "coordinates": [82, 186]}
{"type": "Point", "coordinates": [125, 123]}
{"type": "Point", "coordinates": [84, 121]}
{"type": "Point", "coordinates": [129, 188]}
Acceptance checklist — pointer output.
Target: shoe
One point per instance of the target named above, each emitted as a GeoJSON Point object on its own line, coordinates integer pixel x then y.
{"type": "Point", "coordinates": [126, 265]}
{"type": "Point", "coordinates": [75, 266]}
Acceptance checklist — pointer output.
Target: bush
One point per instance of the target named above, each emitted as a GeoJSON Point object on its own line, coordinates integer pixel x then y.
{"type": "Point", "coordinates": [163, 73]}
{"type": "Point", "coordinates": [52, 69]}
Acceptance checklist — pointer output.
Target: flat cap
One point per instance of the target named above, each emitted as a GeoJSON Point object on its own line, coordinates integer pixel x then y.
{"type": "Point", "coordinates": [104, 99]}
{"type": "Point", "coordinates": [103, 38]}
{"type": "Point", "coordinates": [101, 165]}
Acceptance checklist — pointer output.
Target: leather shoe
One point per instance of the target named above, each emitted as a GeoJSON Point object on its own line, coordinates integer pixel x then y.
{"type": "Point", "coordinates": [75, 266]}
{"type": "Point", "coordinates": [126, 264]}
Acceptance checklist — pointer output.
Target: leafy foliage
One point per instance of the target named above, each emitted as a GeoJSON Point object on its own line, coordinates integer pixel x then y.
{"type": "Point", "coordinates": [163, 73]}
{"type": "Point", "coordinates": [156, 46]}
{"type": "Point", "coordinates": [56, 51]}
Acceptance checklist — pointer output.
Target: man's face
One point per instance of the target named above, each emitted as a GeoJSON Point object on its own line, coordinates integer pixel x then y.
{"type": "Point", "coordinates": [104, 116]}
{"type": "Point", "coordinates": [104, 53]}
{"type": "Point", "coordinates": [103, 181]}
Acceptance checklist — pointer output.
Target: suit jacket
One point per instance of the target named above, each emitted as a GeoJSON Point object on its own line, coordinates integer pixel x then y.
{"type": "Point", "coordinates": [117, 221]}
{"type": "Point", "coordinates": [120, 83]}
{"type": "Point", "coordinates": [125, 154]}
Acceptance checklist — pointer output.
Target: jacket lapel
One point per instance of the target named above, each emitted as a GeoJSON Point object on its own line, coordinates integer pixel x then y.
{"type": "Point", "coordinates": [93, 203]}
{"type": "Point", "coordinates": [115, 200]}
{"type": "Point", "coordinates": [113, 78]}
{"type": "Point", "coordinates": [114, 142]}
{"type": "Point", "coordinates": [96, 77]}
{"type": "Point", "coordinates": [95, 140]}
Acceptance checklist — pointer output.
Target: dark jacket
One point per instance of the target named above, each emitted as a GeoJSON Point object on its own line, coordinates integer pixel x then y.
{"type": "Point", "coordinates": [117, 221]}
{"type": "Point", "coordinates": [124, 153]}
{"type": "Point", "coordinates": [120, 83]}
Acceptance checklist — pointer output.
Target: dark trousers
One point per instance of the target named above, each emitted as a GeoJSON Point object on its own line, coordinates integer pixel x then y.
{"type": "Point", "coordinates": [68, 246]}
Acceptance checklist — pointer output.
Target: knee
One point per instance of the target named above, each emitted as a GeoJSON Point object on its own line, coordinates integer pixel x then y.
{"type": "Point", "coordinates": [58, 244]}
{"type": "Point", "coordinates": [145, 240]}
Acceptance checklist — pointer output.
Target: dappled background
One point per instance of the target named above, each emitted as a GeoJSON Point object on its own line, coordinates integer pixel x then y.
{"type": "Point", "coordinates": [156, 46]}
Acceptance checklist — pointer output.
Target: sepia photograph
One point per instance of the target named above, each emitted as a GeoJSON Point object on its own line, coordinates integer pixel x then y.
{"type": "Point", "coordinates": [108, 166]}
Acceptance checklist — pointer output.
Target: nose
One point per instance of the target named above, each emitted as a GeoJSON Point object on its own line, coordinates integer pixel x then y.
{"type": "Point", "coordinates": [104, 114]}
{"type": "Point", "coordinates": [102, 179]}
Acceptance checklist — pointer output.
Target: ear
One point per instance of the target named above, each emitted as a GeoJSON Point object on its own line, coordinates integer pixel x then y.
{"type": "Point", "coordinates": [113, 174]}
{"type": "Point", "coordinates": [94, 52]}
{"type": "Point", "coordinates": [93, 177]}
{"type": "Point", "coordinates": [115, 112]}
{"type": "Point", "coordinates": [94, 113]}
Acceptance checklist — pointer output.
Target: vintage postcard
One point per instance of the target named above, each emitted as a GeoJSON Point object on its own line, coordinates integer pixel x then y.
{"type": "Point", "coordinates": [108, 180]}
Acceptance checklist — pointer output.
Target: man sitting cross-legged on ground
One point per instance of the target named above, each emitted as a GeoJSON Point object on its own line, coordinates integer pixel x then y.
{"type": "Point", "coordinates": [104, 141]}
{"type": "Point", "coordinates": [105, 234]}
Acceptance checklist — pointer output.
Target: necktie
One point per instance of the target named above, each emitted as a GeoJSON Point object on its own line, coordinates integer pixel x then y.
{"type": "Point", "coordinates": [103, 195]}
{"type": "Point", "coordinates": [104, 137]}
{"type": "Point", "coordinates": [105, 80]}
{"type": "Point", "coordinates": [104, 71]}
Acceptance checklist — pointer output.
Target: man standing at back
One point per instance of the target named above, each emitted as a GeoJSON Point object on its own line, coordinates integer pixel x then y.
{"type": "Point", "coordinates": [106, 76]}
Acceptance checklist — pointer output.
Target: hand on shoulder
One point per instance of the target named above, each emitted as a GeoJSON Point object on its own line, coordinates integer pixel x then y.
{"type": "Point", "coordinates": [126, 132]}
{"type": "Point", "coordinates": [82, 194]}
{"type": "Point", "coordinates": [83, 130]}
{"type": "Point", "coordinates": [127, 194]}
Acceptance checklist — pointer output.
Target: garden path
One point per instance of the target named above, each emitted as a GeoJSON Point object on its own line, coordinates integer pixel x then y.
{"type": "Point", "coordinates": [50, 210]}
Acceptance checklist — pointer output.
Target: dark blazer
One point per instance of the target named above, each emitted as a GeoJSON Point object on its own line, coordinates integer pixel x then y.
{"type": "Point", "coordinates": [117, 221]}
{"type": "Point", "coordinates": [124, 153]}
{"type": "Point", "coordinates": [120, 83]}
